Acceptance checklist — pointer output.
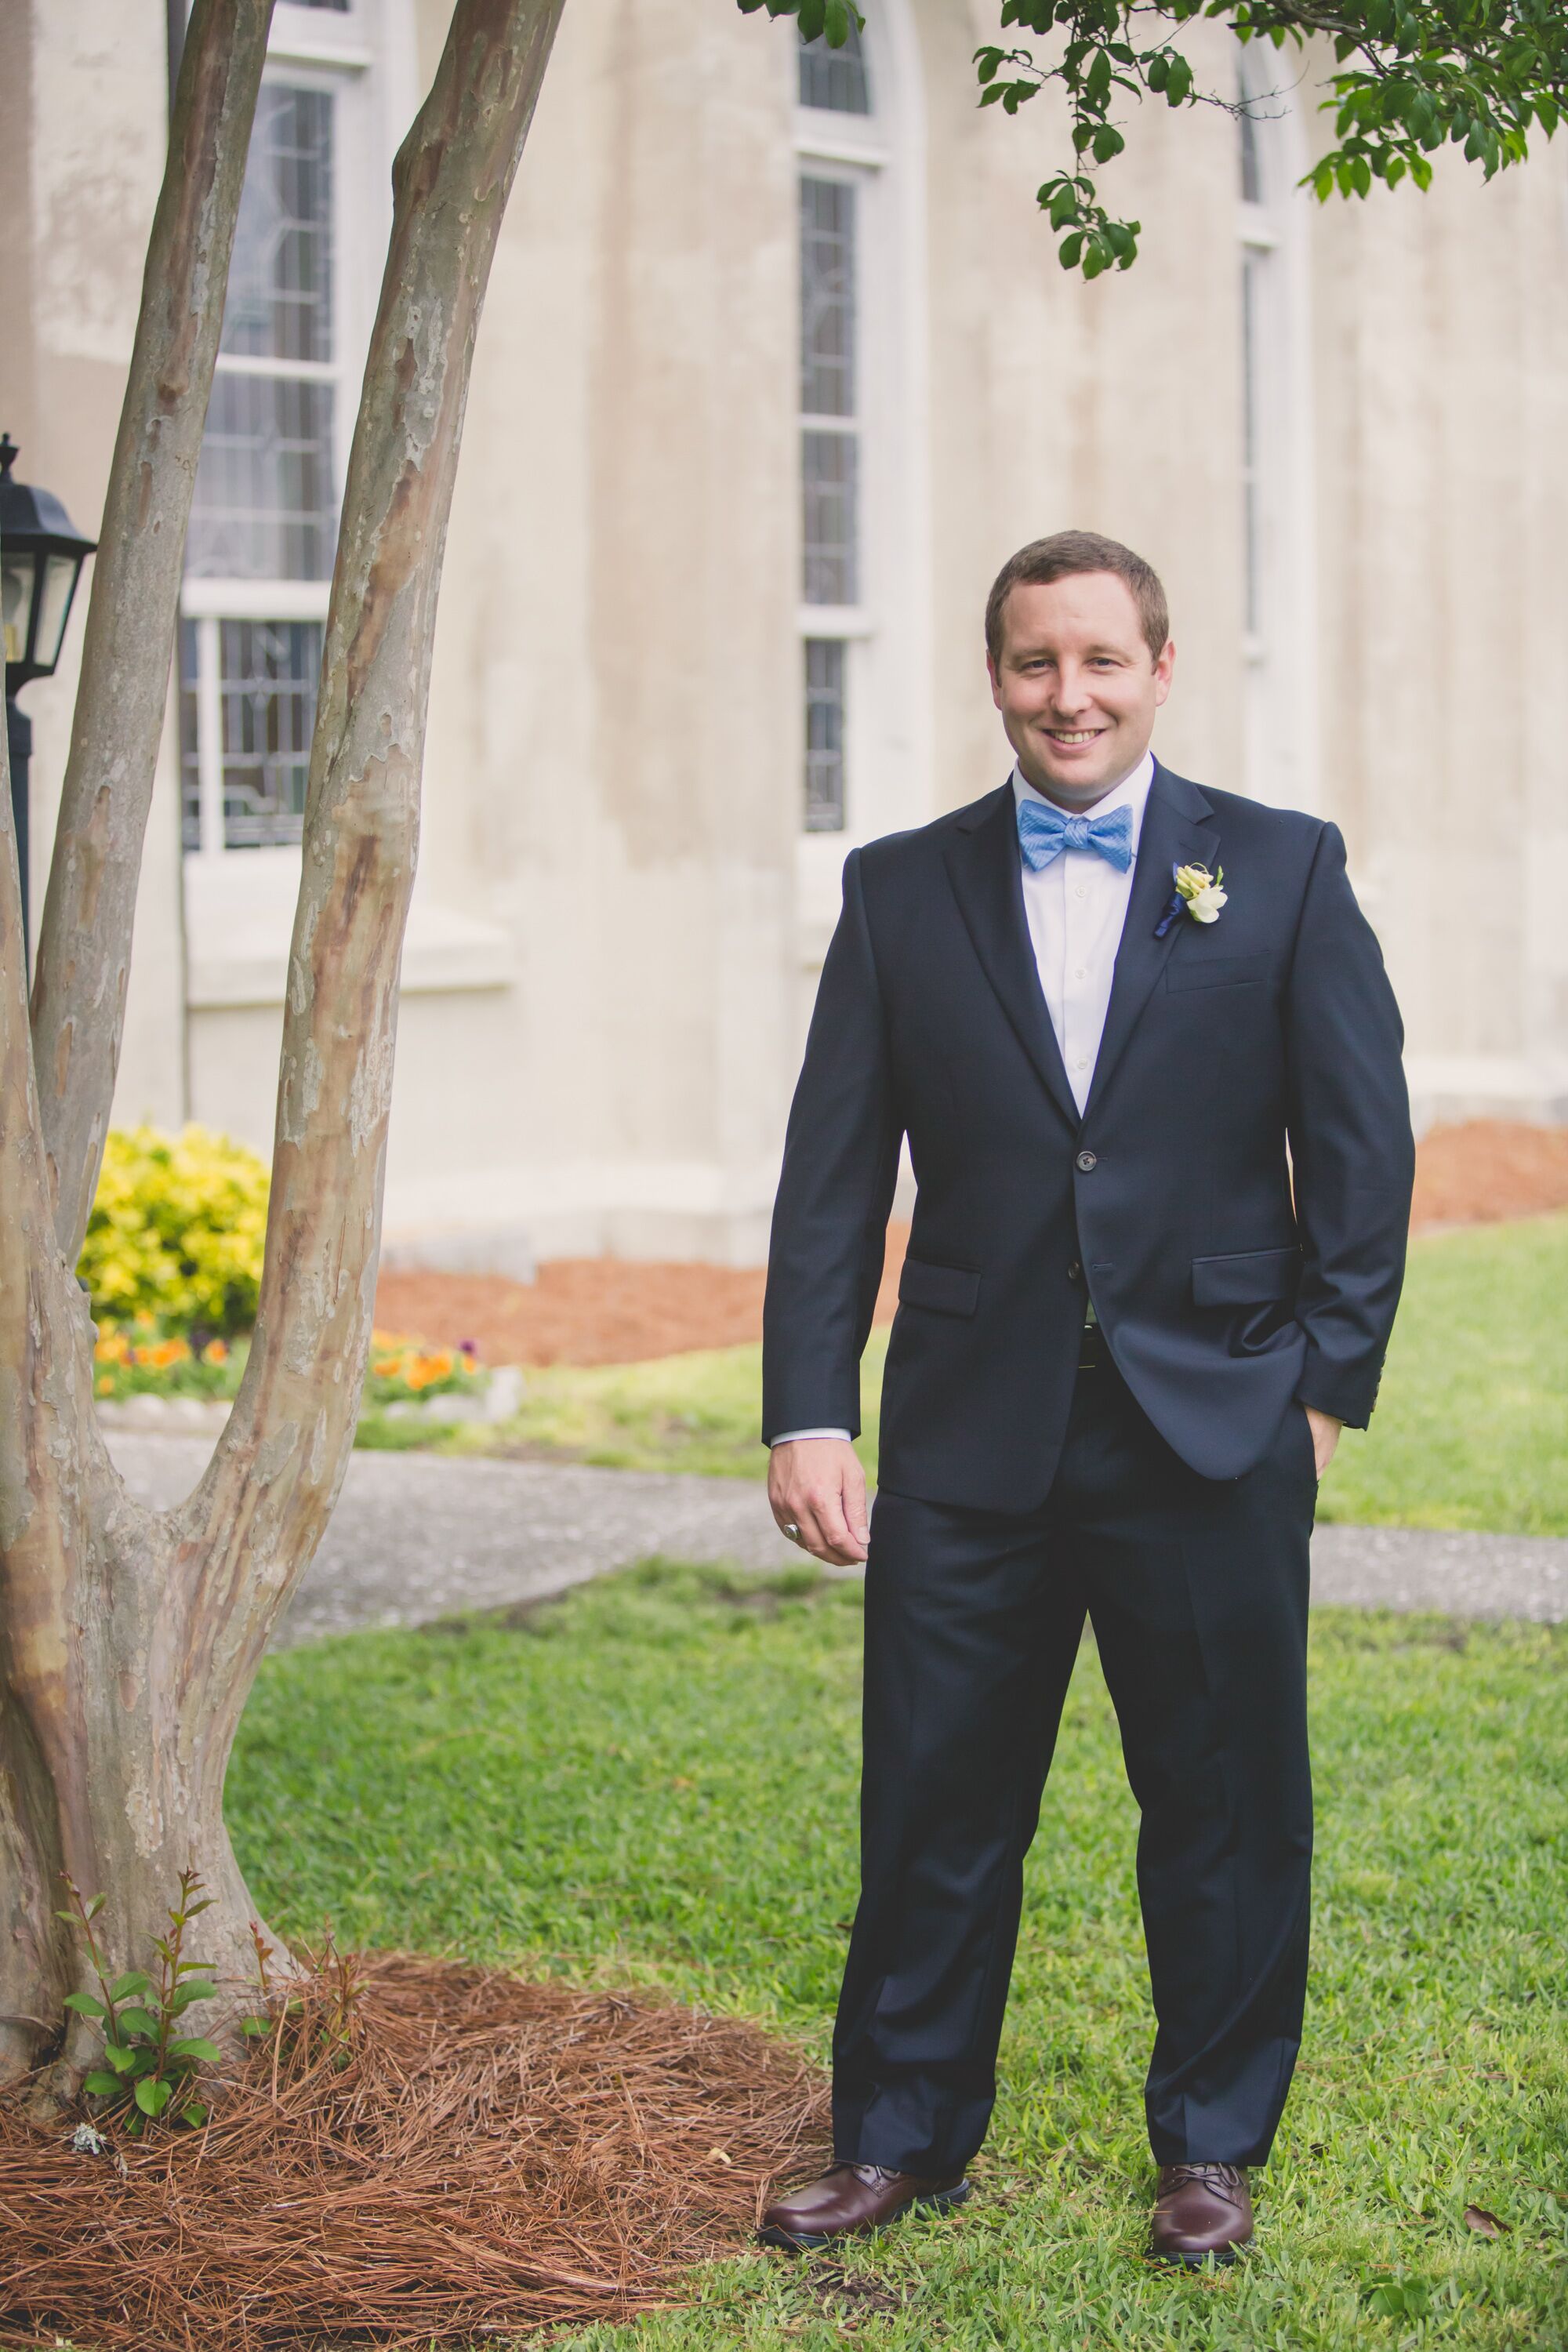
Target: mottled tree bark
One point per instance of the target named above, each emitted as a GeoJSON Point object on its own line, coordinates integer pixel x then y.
{"type": "Point", "coordinates": [129, 1639]}
{"type": "Point", "coordinates": [89, 907]}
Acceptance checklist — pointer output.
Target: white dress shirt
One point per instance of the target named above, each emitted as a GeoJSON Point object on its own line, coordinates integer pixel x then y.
{"type": "Point", "coordinates": [1076, 907]}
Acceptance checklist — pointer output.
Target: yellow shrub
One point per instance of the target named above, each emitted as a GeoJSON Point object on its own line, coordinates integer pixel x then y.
{"type": "Point", "coordinates": [177, 1231]}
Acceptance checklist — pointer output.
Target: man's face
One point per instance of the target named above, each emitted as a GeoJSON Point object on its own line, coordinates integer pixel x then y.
{"type": "Point", "coordinates": [1077, 685]}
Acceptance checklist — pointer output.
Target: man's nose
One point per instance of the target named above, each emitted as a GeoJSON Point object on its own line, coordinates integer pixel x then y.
{"type": "Point", "coordinates": [1072, 689]}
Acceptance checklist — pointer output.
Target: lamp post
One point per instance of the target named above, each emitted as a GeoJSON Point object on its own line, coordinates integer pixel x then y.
{"type": "Point", "coordinates": [41, 556]}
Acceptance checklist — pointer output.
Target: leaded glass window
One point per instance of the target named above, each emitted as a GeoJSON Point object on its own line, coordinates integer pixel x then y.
{"type": "Point", "coordinates": [827, 296]}
{"type": "Point", "coordinates": [246, 756]}
{"type": "Point", "coordinates": [265, 505]}
{"type": "Point", "coordinates": [824, 732]}
{"type": "Point", "coordinates": [264, 520]}
{"type": "Point", "coordinates": [834, 79]}
{"type": "Point", "coordinates": [829, 472]}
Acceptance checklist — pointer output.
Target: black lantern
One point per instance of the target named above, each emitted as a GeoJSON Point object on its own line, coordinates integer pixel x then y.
{"type": "Point", "coordinates": [41, 556]}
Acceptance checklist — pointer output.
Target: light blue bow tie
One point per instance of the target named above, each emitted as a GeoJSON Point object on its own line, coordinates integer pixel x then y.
{"type": "Point", "coordinates": [1044, 832]}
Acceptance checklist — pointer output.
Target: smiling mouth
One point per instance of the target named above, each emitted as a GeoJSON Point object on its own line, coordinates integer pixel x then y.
{"type": "Point", "coordinates": [1070, 737]}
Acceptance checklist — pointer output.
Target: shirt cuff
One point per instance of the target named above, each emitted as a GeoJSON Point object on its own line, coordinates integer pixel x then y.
{"type": "Point", "coordinates": [789, 1436]}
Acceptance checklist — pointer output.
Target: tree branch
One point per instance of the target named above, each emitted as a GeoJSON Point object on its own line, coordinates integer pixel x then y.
{"type": "Point", "coordinates": [84, 940]}
{"type": "Point", "coordinates": [255, 1521]}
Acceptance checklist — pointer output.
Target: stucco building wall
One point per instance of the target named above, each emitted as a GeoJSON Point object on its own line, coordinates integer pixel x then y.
{"type": "Point", "coordinates": [618, 921]}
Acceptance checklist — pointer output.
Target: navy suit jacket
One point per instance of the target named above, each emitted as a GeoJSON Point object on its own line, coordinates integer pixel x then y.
{"type": "Point", "coordinates": [1236, 1196]}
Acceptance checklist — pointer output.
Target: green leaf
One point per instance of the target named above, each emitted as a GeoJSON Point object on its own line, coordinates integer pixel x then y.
{"type": "Point", "coordinates": [101, 2085]}
{"type": "Point", "coordinates": [135, 2125]}
{"type": "Point", "coordinates": [137, 1982]}
{"type": "Point", "coordinates": [121, 2059]}
{"type": "Point", "coordinates": [254, 2025]}
{"type": "Point", "coordinates": [194, 2113]}
{"type": "Point", "coordinates": [138, 2020]}
{"type": "Point", "coordinates": [192, 2046]}
{"type": "Point", "coordinates": [182, 1995]}
{"type": "Point", "coordinates": [152, 2096]}
{"type": "Point", "coordinates": [85, 2005]}
{"type": "Point", "coordinates": [1070, 247]}
{"type": "Point", "coordinates": [144, 2059]}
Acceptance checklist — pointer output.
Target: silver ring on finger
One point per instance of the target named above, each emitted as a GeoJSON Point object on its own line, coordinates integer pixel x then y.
{"type": "Point", "coordinates": [792, 1529]}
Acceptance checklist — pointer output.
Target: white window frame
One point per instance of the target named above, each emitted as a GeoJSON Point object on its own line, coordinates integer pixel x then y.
{"type": "Point", "coordinates": [887, 632]}
{"type": "Point", "coordinates": [365, 57]}
{"type": "Point", "coordinates": [1280, 655]}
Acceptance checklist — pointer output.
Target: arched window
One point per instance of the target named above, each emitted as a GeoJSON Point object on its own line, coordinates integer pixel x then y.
{"type": "Point", "coordinates": [863, 580]}
{"type": "Point", "coordinates": [1277, 539]}
{"type": "Point", "coordinates": [301, 293]}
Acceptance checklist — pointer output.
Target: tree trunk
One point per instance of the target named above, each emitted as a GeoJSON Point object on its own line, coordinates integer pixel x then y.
{"type": "Point", "coordinates": [129, 1639]}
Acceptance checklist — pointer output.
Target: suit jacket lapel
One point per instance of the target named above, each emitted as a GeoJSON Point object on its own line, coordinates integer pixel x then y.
{"type": "Point", "coordinates": [1178, 829]}
{"type": "Point", "coordinates": [986, 873]}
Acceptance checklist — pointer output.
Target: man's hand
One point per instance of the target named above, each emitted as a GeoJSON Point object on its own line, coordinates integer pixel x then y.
{"type": "Point", "coordinates": [1325, 1432]}
{"type": "Point", "coordinates": [816, 1484]}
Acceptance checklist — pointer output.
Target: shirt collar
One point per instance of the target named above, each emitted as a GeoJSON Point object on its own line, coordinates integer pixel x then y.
{"type": "Point", "coordinates": [1131, 792]}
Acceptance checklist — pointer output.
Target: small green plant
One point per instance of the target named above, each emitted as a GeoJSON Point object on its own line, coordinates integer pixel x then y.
{"type": "Point", "coordinates": [332, 2021]}
{"type": "Point", "coordinates": [147, 2065]}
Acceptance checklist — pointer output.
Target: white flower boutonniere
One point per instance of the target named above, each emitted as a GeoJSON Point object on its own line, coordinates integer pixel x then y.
{"type": "Point", "coordinates": [1200, 891]}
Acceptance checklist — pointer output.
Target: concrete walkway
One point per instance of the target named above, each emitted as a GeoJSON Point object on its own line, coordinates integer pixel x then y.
{"type": "Point", "coordinates": [415, 1536]}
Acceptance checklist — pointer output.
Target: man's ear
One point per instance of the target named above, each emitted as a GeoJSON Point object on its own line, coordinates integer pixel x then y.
{"type": "Point", "coordinates": [1165, 668]}
{"type": "Point", "coordinates": [995, 681]}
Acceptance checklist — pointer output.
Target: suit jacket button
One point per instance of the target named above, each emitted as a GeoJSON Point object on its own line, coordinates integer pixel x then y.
{"type": "Point", "coordinates": [1075, 1271]}
{"type": "Point", "coordinates": [1087, 1159]}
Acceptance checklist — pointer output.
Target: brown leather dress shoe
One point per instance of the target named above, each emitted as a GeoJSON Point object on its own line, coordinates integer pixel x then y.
{"type": "Point", "coordinates": [1200, 2210]}
{"type": "Point", "coordinates": [851, 2198]}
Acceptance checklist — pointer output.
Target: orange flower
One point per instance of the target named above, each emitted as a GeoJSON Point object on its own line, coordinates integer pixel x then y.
{"type": "Point", "coordinates": [216, 1353]}
{"type": "Point", "coordinates": [105, 1384]}
{"type": "Point", "coordinates": [113, 1347]}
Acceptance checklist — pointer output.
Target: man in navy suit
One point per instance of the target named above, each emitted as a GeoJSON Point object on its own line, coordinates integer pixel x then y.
{"type": "Point", "coordinates": [1141, 1042]}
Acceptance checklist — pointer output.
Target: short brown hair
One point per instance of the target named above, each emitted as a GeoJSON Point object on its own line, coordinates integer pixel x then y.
{"type": "Point", "coordinates": [1064, 555]}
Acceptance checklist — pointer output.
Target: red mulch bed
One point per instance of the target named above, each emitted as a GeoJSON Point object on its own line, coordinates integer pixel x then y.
{"type": "Point", "coordinates": [495, 2157]}
{"type": "Point", "coordinates": [601, 1310]}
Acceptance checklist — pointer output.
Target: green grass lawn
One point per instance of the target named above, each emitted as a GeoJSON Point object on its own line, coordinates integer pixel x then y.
{"type": "Point", "coordinates": [654, 1781]}
{"type": "Point", "coordinates": [1472, 1429]}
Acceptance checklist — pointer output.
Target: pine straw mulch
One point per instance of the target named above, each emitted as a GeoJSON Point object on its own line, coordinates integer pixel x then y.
{"type": "Point", "coordinates": [495, 2157]}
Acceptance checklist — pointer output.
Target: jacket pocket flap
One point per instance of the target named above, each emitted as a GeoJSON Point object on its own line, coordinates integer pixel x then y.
{"type": "Point", "coordinates": [1205, 970]}
{"type": "Point", "coordinates": [947, 1289]}
{"type": "Point", "coordinates": [1245, 1279]}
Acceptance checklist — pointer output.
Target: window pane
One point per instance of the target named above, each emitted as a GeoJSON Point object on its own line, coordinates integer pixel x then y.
{"type": "Point", "coordinates": [827, 298]}
{"type": "Point", "coordinates": [190, 749]}
{"type": "Point", "coordinates": [834, 79]}
{"type": "Point", "coordinates": [280, 301]}
{"type": "Point", "coordinates": [264, 507]}
{"type": "Point", "coordinates": [824, 735]}
{"type": "Point", "coordinates": [828, 464]}
{"type": "Point", "coordinates": [269, 673]}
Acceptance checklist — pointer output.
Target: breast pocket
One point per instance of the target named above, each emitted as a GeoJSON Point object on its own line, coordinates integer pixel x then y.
{"type": "Point", "coordinates": [1198, 969]}
{"type": "Point", "coordinates": [945, 1289]}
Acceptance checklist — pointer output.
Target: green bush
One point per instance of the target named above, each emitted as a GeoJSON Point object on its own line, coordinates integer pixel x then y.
{"type": "Point", "coordinates": [176, 1232]}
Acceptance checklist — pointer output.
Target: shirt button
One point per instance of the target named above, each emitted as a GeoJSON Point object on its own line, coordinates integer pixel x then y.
{"type": "Point", "coordinates": [1087, 1159]}
{"type": "Point", "coordinates": [1079, 890]}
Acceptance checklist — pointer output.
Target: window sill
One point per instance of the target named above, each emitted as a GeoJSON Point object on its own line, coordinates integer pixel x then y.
{"type": "Point", "coordinates": [240, 918]}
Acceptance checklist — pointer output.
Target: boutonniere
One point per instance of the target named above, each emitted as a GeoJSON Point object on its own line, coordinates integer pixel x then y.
{"type": "Point", "coordinates": [1198, 891]}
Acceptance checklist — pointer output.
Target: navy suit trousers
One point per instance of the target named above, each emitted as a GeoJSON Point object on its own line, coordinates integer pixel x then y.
{"type": "Point", "coordinates": [1196, 1590]}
